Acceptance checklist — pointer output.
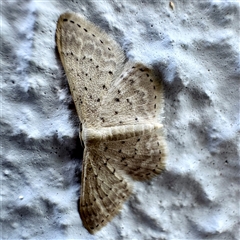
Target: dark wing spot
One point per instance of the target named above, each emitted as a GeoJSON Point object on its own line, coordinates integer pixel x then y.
{"type": "Point", "coordinates": [110, 72]}
{"type": "Point", "coordinates": [147, 75]}
{"type": "Point", "coordinates": [85, 30]}
{"type": "Point", "coordinates": [154, 105]}
{"type": "Point", "coordinates": [85, 88]}
{"type": "Point", "coordinates": [142, 70]}
{"type": "Point", "coordinates": [98, 100]}
{"type": "Point", "coordinates": [97, 66]}
{"type": "Point", "coordinates": [78, 25]}
{"type": "Point", "coordinates": [117, 99]}
{"type": "Point", "coordinates": [116, 112]}
{"type": "Point", "coordinates": [65, 20]}
{"type": "Point", "coordinates": [93, 35]}
{"type": "Point", "coordinates": [119, 91]}
{"type": "Point", "coordinates": [71, 21]}
{"type": "Point", "coordinates": [129, 101]}
{"type": "Point", "coordinates": [101, 41]}
{"type": "Point", "coordinates": [151, 80]}
{"type": "Point", "coordinates": [109, 49]}
{"type": "Point", "coordinates": [136, 119]}
{"type": "Point", "coordinates": [131, 81]}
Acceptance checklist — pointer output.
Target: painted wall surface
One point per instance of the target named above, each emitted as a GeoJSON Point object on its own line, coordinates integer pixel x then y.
{"type": "Point", "coordinates": [194, 46]}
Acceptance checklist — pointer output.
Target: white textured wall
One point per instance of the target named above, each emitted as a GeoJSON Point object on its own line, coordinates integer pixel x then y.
{"type": "Point", "coordinates": [195, 47]}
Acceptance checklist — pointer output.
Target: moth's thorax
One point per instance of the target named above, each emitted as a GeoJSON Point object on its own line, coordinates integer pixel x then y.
{"type": "Point", "coordinates": [91, 135]}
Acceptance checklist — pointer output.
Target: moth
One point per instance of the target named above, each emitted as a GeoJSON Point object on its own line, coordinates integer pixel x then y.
{"type": "Point", "coordinates": [119, 104]}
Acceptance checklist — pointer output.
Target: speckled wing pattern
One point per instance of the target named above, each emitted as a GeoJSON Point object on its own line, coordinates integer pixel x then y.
{"type": "Point", "coordinates": [119, 106]}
